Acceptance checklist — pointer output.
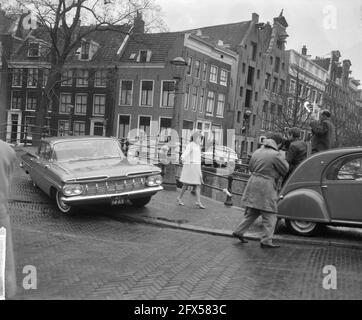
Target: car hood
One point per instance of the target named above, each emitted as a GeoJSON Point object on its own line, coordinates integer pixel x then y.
{"type": "Point", "coordinates": [101, 169]}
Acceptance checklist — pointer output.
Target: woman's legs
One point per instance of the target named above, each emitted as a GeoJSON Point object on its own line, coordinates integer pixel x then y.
{"type": "Point", "coordinates": [183, 190]}
{"type": "Point", "coordinates": [198, 197]}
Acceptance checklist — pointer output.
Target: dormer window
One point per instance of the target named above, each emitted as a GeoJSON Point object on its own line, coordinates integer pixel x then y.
{"type": "Point", "coordinates": [88, 49]}
{"type": "Point", "coordinates": [144, 56]}
{"type": "Point", "coordinates": [84, 51]}
{"type": "Point", "coordinates": [33, 50]}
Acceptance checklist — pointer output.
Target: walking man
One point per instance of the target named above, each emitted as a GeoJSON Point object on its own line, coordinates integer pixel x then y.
{"type": "Point", "coordinates": [267, 166]}
{"type": "Point", "coordinates": [7, 166]}
{"type": "Point", "coordinates": [323, 132]}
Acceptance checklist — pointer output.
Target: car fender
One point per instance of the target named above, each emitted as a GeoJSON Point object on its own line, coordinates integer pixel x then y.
{"type": "Point", "coordinates": [303, 204]}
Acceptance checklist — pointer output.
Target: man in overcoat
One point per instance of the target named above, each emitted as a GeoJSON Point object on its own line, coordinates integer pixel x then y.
{"type": "Point", "coordinates": [7, 166]}
{"type": "Point", "coordinates": [323, 133]}
{"type": "Point", "coordinates": [267, 166]}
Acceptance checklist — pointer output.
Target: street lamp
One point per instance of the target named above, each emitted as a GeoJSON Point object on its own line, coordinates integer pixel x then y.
{"type": "Point", "coordinates": [247, 115]}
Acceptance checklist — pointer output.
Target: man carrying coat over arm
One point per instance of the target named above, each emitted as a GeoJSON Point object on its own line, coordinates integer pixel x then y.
{"type": "Point", "coordinates": [267, 165]}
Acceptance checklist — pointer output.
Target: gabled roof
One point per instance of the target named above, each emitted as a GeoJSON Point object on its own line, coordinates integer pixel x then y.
{"type": "Point", "coordinates": [159, 43]}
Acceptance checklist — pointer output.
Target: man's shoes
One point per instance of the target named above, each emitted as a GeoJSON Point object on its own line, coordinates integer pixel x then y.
{"type": "Point", "coordinates": [241, 238]}
{"type": "Point", "coordinates": [269, 246]}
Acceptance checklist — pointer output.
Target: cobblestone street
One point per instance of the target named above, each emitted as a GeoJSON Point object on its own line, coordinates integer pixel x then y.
{"type": "Point", "coordinates": [92, 256]}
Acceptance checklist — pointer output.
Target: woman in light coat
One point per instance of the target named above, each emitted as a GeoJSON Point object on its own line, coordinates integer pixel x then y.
{"type": "Point", "coordinates": [191, 174]}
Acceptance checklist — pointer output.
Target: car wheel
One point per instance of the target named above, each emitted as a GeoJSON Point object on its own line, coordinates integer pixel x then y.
{"type": "Point", "coordinates": [63, 207]}
{"type": "Point", "coordinates": [302, 228]}
{"type": "Point", "coordinates": [140, 202]}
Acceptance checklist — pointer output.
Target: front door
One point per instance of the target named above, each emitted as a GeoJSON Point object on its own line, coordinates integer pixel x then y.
{"type": "Point", "coordinates": [13, 127]}
{"type": "Point", "coordinates": [97, 128]}
{"type": "Point", "coordinates": [342, 188]}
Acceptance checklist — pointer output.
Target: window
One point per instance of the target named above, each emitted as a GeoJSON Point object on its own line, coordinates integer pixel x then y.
{"type": "Point", "coordinates": [250, 76]}
{"type": "Point", "coordinates": [253, 51]}
{"type": "Point", "coordinates": [204, 72]}
{"type": "Point", "coordinates": [277, 64]}
{"type": "Point", "coordinates": [16, 100]}
{"type": "Point", "coordinates": [168, 94]}
{"type": "Point", "coordinates": [281, 86]}
{"type": "Point", "coordinates": [45, 77]}
{"type": "Point", "coordinates": [17, 78]}
{"type": "Point", "coordinates": [248, 98]}
{"type": "Point", "coordinates": [238, 117]}
{"type": "Point", "coordinates": [33, 50]}
{"type": "Point", "coordinates": [292, 86]}
{"type": "Point", "coordinates": [81, 103]}
{"type": "Point", "coordinates": [272, 123]}
{"type": "Point", "coordinates": [144, 124]}
{"type": "Point", "coordinates": [31, 101]}
{"type": "Point", "coordinates": [63, 127]}
{"type": "Point", "coordinates": [65, 102]}
{"type": "Point", "coordinates": [146, 93]}
{"type": "Point", "coordinates": [267, 81]}
{"type": "Point", "coordinates": [210, 103]}
{"type": "Point", "coordinates": [126, 92]}
{"type": "Point", "coordinates": [243, 67]}
{"type": "Point", "coordinates": [79, 128]}
{"type": "Point", "coordinates": [256, 96]}
{"type": "Point", "coordinates": [347, 168]}
{"type": "Point", "coordinates": [319, 98]}
{"type": "Point", "coordinates": [254, 119]}
{"type": "Point", "coordinates": [32, 77]}
{"type": "Point", "coordinates": [67, 78]}
{"type": "Point", "coordinates": [99, 104]}
{"type": "Point", "coordinates": [194, 99]}
{"type": "Point", "coordinates": [299, 90]}
{"type": "Point", "coordinates": [123, 126]}
{"type": "Point", "coordinates": [313, 97]}
{"type": "Point", "coordinates": [264, 118]}
{"type": "Point", "coordinates": [241, 91]}
{"type": "Point", "coordinates": [275, 85]}
{"type": "Point", "coordinates": [187, 97]}
{"type": "Point", "coordinates": [29, 126]}
{"type": "Point", "coordinates": [271, 60]}
{"type": "Point", "coordinates": [143, 56]}
{"type": "Point", "coordinates": [165, 129]}
{"type": "Point", "coordinates": [280, 44]}
{"type": "Point", "coordinates": [100, 78]}
{"type": "Point", "coordinates": [82, 78]}
{"type": "Point", "coordinates": [189, 66]}
{"type": "Point", "coordinates": [224, 77]}
{"type": "Point", "coordinates": [84, 50]}
{"type": "Point", "coordinates": [201, 100]}
{"type": "Point", "coordinates": [258, 74]}
{"type": "Point", "coordinates": [197, 68]}
{"type": "Point", "coordinates": [213, 74]}
{"type": "Point", "coordinates": [220, 105]}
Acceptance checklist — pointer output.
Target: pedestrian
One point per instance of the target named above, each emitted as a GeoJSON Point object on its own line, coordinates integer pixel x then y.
{"type": "Point", "coordinates": [296, 152]}
{"type": "Point", "coordinates": [267, 166]}
{"type": "Point", "coordinates": [7, 167]}
{"type": "Point", "coordinates": [191, 174]}
{"type": "Point", "coordinates": [323, 132]}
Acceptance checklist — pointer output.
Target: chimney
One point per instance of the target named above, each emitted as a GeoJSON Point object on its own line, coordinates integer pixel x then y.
{"type": "Point", "coordinates": [138, 23]}
{"type": "Point", "coordinates": [304, 50]}
{"type": "Point", "coordinates": [255, 17]}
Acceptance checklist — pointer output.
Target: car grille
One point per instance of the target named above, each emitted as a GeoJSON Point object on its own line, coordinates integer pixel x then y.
{"type": "Point", "coordinates": [118, 186]}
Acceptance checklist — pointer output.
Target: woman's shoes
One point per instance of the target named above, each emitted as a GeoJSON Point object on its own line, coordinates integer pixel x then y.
{"type": "Point", "coordinates": [199, 205]}
{"type": "Point", "coordinates": [180, 203]}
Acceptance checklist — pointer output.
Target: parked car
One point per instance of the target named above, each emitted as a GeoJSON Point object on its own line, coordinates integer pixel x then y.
{"type": "Point", "coordinates": [325, 189]}
{"type": "Point", "coordinates": [223, 155]}
{"type": "Point", "coordinates": [76, 171]}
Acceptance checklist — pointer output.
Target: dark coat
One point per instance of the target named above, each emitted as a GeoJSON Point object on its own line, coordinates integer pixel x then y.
{"type": "Point", "coordinates": [296, 153]}
{"type": "Point", "coordinates": [267, 166]}
{"type": "Point", "coordinates": [324, 135]}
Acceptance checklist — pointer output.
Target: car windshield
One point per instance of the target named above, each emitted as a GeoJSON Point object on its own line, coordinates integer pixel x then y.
{"type": "Point", "coordinates": [87, 150]}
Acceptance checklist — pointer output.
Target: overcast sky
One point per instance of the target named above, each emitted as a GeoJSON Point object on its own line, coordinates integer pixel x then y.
{"type": "Point", "coordinates": [322, 25]}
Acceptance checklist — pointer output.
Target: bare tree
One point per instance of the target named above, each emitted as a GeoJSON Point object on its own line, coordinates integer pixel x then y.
{"type": "Point", "coordinates": [62, 23]}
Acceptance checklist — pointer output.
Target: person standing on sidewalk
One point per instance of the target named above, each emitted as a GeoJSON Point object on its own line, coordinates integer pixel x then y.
{"type": "Point", "coordinates": [191, 174]}
{"type": "Point", "coordinates": [267, 167]}
{"type": "Point", "coordinates": [323, 132]}
{"type": "Point", "coordinates": [7, 167]}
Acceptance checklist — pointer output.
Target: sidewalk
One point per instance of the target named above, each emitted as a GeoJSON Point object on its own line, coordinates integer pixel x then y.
{"type": "Point", "coordinates": [219, 219]}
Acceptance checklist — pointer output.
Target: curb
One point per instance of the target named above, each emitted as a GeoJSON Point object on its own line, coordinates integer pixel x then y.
{"type": "Point", "coordinates": [227, 233]}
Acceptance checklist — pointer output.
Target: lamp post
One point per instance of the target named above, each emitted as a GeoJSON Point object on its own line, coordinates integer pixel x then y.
{"type": "Point", "coordinates": [247, 115]}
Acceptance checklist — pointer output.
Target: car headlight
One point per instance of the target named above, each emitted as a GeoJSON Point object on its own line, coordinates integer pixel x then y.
{"type": "Point", "coordinates": [72, 190]}
{"type": "Point", "coordinates": [154, 181]}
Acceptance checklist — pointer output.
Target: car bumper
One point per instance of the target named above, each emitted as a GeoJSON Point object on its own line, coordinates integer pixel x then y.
{"type": "Point", "coordinates": [101, 198]}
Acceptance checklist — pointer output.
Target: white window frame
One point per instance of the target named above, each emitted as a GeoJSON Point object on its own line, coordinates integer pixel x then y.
{"type": "Point", "coordinates": [201, 100]}
{"type": "Point", "coordinates": [11, 100]}
{"type": "Point", "coordinates": [226, 72]}
{"type": "Point", "coordinates": [99, 114]}
{"type": "Point", "coordinates": [195, 69]}
{"type": "Point", "coordinates": [73, 127]}
{"type": "Point", "coordinates": [138, 123]}
{"type": "Point", "coordinates": [159, 124]}
{"type": "Point", "coordinates": [207, 103]}
{"type": "Point", "coordinates": [218, 105]}
{"type": "Point", "coordinates": [105, 78]}
{"type": "Point", "coordinates": [60, 101]}
{"type": "Point", "coordinates": [190, 62]}
{"type": "Point", "coordinates": [45, 75]}
{"type": "Point", "coordinates": [63, 121]}
{"type": "Point", "coordinates": [194, 99]}
{"type": "Point", "coordinates": [161, 94]}
{"type": "Point", "coordinates": [120, 93]}
{"type": "Point", "coordinates": [21, 77]}
{"type": "Point", "coordinates": [152, 94]}
{"type": "Point", "coordinates": [211, 76]}
{"type": "Point", "coordinates": [33, 56]}
{"type": "Point", "coordinates": [130, 122]}
{"type": "Point", "coordinates": [34, 77]}
{"type": "Point", "coordinates": [187, 97]}
{"type": "Point", "coordinates": [204, 71]}
{"type": "Point", "coordinates": [26, 102]}
{"type": "Point", "coordinates": [83, 78]}
{"type": "Point", "coordinates": [75, 103]}
{"type": "Point", "coordinates": [64, 83]}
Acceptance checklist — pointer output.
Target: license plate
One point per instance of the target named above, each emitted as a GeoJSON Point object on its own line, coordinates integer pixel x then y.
{"type": "Point", "coordinates": [117, 201]}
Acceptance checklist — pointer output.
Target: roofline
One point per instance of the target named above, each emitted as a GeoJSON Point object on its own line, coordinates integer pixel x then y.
{"type": "Point", "coordinates": [310, 60]}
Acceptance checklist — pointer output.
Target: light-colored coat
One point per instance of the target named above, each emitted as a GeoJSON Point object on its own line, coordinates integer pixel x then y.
{"type": "Point", "coordinates": [7, 167]}
{"type": "Point", "coordinates": [267, 166]}
{"type": "Point", "coordinates": [191, 170]}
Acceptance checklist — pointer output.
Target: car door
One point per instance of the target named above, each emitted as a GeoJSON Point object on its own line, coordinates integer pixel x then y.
{"type": "Point", "coordinates": [342, 188]}
{"type": "Point", "coordinates": [39, 174]}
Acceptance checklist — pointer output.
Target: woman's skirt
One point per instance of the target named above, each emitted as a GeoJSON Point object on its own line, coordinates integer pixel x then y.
{"type": "Point", "coordinates": [191, 174]}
